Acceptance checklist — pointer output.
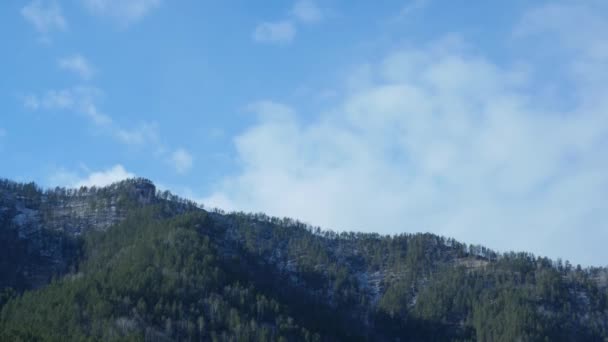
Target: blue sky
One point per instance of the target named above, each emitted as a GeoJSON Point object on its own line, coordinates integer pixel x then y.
{"type": "Point", "coordinates": [483, 121]}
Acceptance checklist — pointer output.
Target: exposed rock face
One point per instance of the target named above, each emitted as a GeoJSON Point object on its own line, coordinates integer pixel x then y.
{"type": "Point", "coordinates": [39, 229]}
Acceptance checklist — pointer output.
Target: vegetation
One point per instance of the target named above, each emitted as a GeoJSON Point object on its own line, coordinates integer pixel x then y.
{"type": "Point", "coordinates": [154, 278]}
{"type": "Point", "coordinates": [172, 271]}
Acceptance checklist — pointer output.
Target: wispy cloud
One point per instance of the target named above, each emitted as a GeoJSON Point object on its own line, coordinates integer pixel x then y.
{"type": "Point", "coordinates": [413, 6]}
{"type": "Point", "coordinates": [441, 138]}
{"type": "Point", "coordinates": [307, 11]}
{"type": "Point", "coordinates": [84, 101]}
{"type": "Point", "coordinates": [572, 26]}
{"type": "Point", "coordinates": [181, 160]}
{"type": "Point", "coordinates": [81, 100]}
{"type": "Point", "coordinates": [97, 178]}
{"type": "Point", "coordinates": [284, 31]}
{"type": "Point", "coordinates": [44, 15]}
{"type": "Point", "coordinates": [142, 134]}
{"type": "Point", "coordinates": [275, 32]}
{"type": "Point", "coordinates": [79, 65]}
{"type": "Point", "coordinates": [125, 11]}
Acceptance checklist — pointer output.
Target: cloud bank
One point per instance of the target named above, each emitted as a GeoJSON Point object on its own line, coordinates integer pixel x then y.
{"type": "Point", "coordinates": [443, 139]}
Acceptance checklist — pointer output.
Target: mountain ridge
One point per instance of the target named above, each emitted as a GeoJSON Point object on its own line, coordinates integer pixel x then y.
{"type": "Point", "coordinates": [405, 286]}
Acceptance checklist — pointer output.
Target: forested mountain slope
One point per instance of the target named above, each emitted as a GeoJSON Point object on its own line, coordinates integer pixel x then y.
{"type": "Point", "coordinates": [128, 263]}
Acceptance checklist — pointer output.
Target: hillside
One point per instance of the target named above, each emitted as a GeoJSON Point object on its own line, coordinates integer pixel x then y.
{"type": "Point", "coordinates": [126, 262]}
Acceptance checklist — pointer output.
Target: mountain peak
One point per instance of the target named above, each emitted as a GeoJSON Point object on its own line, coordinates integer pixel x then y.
{"type": "Point", "coordinates": [142, 190]}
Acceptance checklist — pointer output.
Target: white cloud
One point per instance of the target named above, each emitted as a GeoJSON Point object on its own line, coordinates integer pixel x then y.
{"type": "Point", "coordinates": [125, 11]}
{"type": "Point", "coordinates": [98, 178]}
{"type": "Point", "coordinates": [284, 31]}
{"type": "Point", "coordinates": [45, 16]}
{"type": "Point", "coordinates": [81, 100]}
{"type": "Point", "coordinates": [181, 160]}
{"type": "Point", "coordinates": [442, 139]}
{"type": "Point", "coordinates": [107, 177]}
{"type": "Point", "coordinates": [275, 32]}
{"type": "Point", "coordinates": [307, 11]}
{"type": "Point", "coordinates": [78, 65]}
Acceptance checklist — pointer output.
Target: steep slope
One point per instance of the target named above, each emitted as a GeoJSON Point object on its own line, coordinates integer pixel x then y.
{"type": "Point", "coordinates": [152, 278]}
{"type": "Point", "coordinates": [39, 230]}
{"type": "Point", "coordinates": [159, 268]}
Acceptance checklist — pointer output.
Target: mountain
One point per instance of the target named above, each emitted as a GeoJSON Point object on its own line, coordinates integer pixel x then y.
{"type": "Point", "coordinates": [129, 263]}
